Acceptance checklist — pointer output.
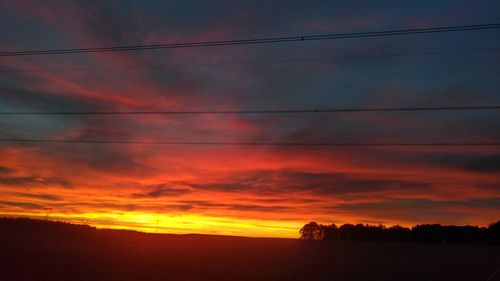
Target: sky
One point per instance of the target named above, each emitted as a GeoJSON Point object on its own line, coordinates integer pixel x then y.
{"type": "Point", "coordinates": [266, 190]}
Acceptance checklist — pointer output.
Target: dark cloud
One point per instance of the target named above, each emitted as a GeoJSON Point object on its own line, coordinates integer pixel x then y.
{"type": "Point", "coordinates": [487, 203]}
{"type": "Point", "coordinates": [27, 98]}
{"type": "Point", "coordinates": [344, 183]}
{"type": "Point", "coordinates": [6, 170]}
{"type": "Point", "coordinates": [222, 186]}
{"type": "Point", "coordinates": [275, 182]}
{"type": "Point", "coordinates": [43, 196]}
{"type": "Point", "coordinates": [181, 205]}
{"type": "Point", "coordinates": [258, 208]}
{"type": "Point", "coordinates": [490, 186]}
{"type": "Point", "coordinates": [22, 205]}
{"type": "Point", "coordinates": [417, 209]}
{"type": "Point", "coordinates": [161, 190]}
{"type": "Point", "coordinates": [478, 162]}
{"type": "Point", "coordinates": [109, 158]}
{"type": "Point", "coordinates": [200, 204]}
{"type": "Point", "coordinates": [203, 203]}
{"type": "Point", "coordinates": [481, 163]}
{"type": "Point", "coordinates": [485, 163]}
{"type": "Point", "coordinates": [285, 200]}
{"type": "Point", "coordinates": [21, 181]}
{"type": "Point", "coordinates": [239, 181]}
{"type": "Point", "coordinates": [105, 206]}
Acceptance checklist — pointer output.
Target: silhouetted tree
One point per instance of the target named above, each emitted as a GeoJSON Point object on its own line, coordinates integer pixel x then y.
{"type": "Point", "coordinates": [427, 233]}
{"type": "Point", "coordinates": [430, 233]}
{"type": "Point", "coordinates": [493, 232]}
{"type": "Point", "coordinates": [398, 233]}
{"type": "Point", "coordinates": [329, 232]}
{"type": "Point", "coordinates": [311, 231]}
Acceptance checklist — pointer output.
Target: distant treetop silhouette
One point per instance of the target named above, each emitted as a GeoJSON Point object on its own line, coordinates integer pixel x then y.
{"type": "Point", "coordinates": [431, 233]}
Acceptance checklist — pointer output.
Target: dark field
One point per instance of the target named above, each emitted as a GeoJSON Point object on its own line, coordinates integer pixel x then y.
{"type": "Point", "coordinates": [83, 253]}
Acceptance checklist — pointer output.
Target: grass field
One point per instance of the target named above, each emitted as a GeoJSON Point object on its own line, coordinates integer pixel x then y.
{"type": "Point", "coordinates": [83, 253]}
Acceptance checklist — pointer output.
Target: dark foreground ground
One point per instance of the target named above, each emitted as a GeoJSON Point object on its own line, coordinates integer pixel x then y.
{"type": "Point", "coordinates": [82, 253]}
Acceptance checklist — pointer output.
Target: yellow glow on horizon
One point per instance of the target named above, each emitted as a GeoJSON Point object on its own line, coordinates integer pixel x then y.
{"type": "Point", "coordinates": [179, 223]}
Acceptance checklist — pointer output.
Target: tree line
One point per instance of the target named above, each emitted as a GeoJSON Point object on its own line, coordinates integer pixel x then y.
{"type": "Point", "coordinates": [430, 233]}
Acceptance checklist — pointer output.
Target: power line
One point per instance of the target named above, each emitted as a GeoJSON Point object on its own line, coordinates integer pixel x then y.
{"type": "Point", "coordinates": [66, 141]}
{"type": "Point", "coordinates": [285, 111]}
{"type": "Point", "coordinates": [250, 62]}
{"type": "Point", "coordinates": [257, 40]}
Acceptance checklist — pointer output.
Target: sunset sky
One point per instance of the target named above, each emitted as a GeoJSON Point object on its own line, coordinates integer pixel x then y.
{"type": "Point", "coordinates": [267, 190]}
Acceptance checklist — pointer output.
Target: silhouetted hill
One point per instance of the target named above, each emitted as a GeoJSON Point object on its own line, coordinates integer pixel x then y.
{"type": "Point", "coordinates": [41, 224]}
{"type": "Point", "coordinates": [51, 225]}
{"type": "Point", "coordinates": [55, 251]}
